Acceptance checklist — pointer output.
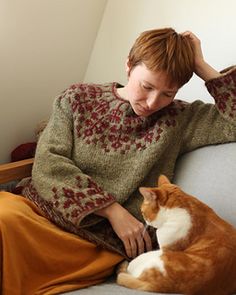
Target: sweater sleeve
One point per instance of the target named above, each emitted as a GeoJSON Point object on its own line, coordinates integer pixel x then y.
{"type": "Point", "coordinates": [57, 182]}
{"type": "Point", "coordinates": [208, 123]}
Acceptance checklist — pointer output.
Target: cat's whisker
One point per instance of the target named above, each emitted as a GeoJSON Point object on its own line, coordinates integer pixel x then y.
{"type": "Point", "coordinates": [145, 228]}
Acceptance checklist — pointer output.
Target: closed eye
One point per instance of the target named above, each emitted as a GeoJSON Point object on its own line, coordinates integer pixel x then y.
{"type": "Point", "coordinates": [147, 87]}
{"type": "Point", "coordinates": [168, 95]}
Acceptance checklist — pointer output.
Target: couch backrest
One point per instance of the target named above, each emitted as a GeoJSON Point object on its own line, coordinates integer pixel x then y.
{"type": "Point", "coordinates": [209, 173]}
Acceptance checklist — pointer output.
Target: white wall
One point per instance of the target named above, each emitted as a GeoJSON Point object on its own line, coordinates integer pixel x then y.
{"type": "Point", "coordinates": [45, 47]}
{"type": "Point", "coordinates": [212, 20]}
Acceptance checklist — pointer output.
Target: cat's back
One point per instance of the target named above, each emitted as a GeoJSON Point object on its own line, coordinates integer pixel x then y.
{"type": "Point", "coordinates": [217, 244]}
{"type": "Point", "coordinates": [216, 232]}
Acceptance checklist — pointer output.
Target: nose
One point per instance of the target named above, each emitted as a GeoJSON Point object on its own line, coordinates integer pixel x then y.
{"type": "Point", "coordinates": [153, 101]}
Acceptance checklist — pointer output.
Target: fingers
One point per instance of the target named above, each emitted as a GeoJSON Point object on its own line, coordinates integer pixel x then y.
{"type": "Point", "coordinates": [198, 58]}
{"type": "Point", "coordinates": [128, 229]}
{"type": "Point", "coordinates": [137, 242]}
{"type": "Point", "coordinates": [194, 39]}
{"type": "Point", "coordinates": [140, 245]}
{"type": "Point", "coordinates": [190, 34]}
{"type": "Point", "coordinates": [134, 247]}
{"type": "Point", "coordinates": [131, 245]}
{"type": "Point", "coordinates": [127, 248]}
{"type": "Point", "coordinates": [148, 241]}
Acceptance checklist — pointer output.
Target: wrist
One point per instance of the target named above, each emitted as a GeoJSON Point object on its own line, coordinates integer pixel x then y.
{"type": "Point", "coordinates": [108, 211]}
{"type": "Point", "coordinates": [205, 71]}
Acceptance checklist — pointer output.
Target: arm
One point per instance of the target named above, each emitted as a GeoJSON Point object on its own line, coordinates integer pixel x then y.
{"type": "Point", "coordinates": [71, 194]}
{"type": "Point", "coordinates": [207, 123]}
{"type": "Point", "coordinates": [212, 123]}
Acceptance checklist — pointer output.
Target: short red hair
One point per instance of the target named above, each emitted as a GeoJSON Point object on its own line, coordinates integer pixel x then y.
{"type": "Point", "coordinates": [164, 50]}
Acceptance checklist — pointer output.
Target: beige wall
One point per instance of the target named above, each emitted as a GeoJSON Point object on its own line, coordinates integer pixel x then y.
{"type": "Point", "coordinates": [45, 47]}
{"type": "Point", "coordinates": [212, 20]}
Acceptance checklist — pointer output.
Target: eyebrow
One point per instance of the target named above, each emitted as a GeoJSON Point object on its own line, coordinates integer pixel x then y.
{"type": "Point", "coordinates": [167, 90]}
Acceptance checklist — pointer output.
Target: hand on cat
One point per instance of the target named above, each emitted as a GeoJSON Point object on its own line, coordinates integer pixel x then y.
{"type": "Point", "coordinates": [130, 230]}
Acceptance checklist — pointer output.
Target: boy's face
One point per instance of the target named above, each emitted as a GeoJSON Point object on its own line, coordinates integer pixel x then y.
{"type": "Point", "coordinates": [148, 91]}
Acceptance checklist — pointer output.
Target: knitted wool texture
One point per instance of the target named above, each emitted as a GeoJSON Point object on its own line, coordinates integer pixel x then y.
{"type": "Point", "coordinates": [95, 150]}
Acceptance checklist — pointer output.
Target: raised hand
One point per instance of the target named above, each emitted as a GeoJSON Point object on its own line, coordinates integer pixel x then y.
{"type": "Point", "coordinates": [202, 68]}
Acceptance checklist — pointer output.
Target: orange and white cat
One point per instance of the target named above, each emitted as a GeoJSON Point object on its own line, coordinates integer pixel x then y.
{"type": "Point", "coordinates": [197, 254]}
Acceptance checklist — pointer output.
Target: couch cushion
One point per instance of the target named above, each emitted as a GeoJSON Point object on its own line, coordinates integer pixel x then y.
{"type": "Point", "coordinates": [110, 288]}
{"type": "Point", "coordinates": [209, 173]}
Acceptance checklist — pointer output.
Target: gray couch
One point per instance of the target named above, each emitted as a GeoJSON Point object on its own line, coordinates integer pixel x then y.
{"type": "Point", "coordinates": [208, 173]}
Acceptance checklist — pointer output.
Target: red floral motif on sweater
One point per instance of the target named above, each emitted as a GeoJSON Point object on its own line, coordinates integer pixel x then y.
{"type": "Point", "coordinates": [105, 122]}
{"type": "Point", "coordinates": [81, 200]}
{"type": "Point", "coordinates": [221, 90]}
{"type": "Point", "coordinates": [86, 196]}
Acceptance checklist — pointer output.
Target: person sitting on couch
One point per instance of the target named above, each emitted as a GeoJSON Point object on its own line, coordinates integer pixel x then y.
{"type": "Point", "coordinates": [78, 215]}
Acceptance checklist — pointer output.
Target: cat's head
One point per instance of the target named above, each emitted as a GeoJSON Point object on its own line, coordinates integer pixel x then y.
{"type": "Point", "coordinates": [177, 216]}
{"type": "Point", "coordinates": [161, 201]}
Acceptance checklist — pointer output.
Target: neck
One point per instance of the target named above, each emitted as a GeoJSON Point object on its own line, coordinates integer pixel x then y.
{"type": "Point", "coordinates": [175, 224]}
{"type": "Point", "coordinates": [122, 93]}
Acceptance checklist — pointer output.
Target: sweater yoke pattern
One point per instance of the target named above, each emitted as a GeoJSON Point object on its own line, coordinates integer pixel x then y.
{"type": "Point", "coordinates": [108, 122]}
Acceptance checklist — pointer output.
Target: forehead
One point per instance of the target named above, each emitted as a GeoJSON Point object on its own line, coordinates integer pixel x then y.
{"type": "Point", "coordinates": [157, 79]}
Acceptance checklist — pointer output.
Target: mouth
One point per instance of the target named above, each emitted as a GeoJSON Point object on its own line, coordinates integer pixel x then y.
{"type": "Point", "coordinates": [142, 111]}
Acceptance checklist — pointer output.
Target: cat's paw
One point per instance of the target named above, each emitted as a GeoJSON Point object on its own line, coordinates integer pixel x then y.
{"type": "Point", "coordinates": [122, 267]}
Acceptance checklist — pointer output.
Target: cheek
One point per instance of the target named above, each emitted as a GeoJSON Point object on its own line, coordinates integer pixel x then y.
{"type": "Point", "coordinates": [135, 93]}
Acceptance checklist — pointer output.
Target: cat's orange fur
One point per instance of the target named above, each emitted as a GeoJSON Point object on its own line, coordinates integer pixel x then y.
{"type": "Point", "coordinates": [201, 263]}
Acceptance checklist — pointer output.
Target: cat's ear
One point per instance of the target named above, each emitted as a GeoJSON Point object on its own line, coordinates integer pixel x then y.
{"type": "Point", "coordinates": [148, 194]}
{"type": "Point", "coordinates": [162, 180]}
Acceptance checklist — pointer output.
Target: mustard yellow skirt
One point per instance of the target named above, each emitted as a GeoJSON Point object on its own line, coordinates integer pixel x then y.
{"type": "Point", "coordinates": [37, 257]}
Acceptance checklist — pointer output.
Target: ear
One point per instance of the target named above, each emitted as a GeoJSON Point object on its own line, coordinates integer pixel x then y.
{"type": "Point", "coordinates": [127, 67]}
{"type": "Point", "coordinates": [162, 180]}
{"type": "Point", "coordinates": [148, 194]}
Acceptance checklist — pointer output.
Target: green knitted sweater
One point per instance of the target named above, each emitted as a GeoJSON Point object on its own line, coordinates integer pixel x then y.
{"type": "Point", "coordinates": [95, 150]}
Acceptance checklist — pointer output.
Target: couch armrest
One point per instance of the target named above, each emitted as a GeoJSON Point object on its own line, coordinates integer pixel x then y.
{"type": "Point", "coordinates": [15, 170]}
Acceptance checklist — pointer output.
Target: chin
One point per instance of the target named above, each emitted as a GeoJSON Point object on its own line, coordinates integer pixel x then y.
{"type": "Point", "coordinates": [141, 114]}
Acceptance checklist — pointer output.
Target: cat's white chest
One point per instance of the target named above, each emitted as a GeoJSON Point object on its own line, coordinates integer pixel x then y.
{"type": "Point", "coordinates": [173, 225]}
{"type": "Point", "coordinates": [145, 261]}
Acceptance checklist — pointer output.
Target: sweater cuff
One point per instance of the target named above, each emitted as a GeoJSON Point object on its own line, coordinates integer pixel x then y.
{"type": "Point", "coordinates": [223, 89]}
{"type": "Point", "coordinates": [229, 72]}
